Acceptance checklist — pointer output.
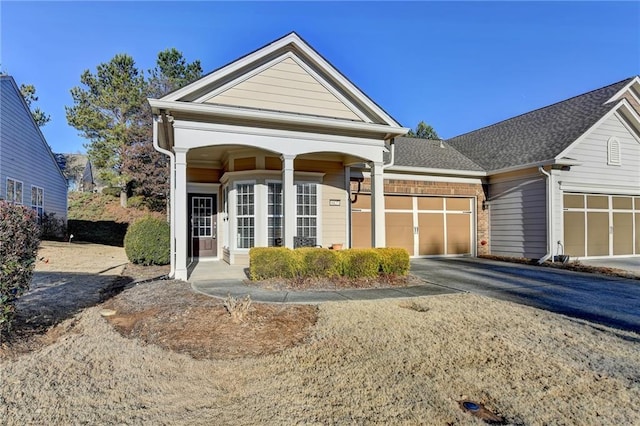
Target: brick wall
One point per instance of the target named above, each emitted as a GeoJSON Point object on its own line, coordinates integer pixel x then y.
{"type": "Point", "coordinates": [414, 187]}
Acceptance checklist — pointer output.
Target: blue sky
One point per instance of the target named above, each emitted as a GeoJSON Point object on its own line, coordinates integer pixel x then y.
{"type": "Point", "coordinates": [458, 66]}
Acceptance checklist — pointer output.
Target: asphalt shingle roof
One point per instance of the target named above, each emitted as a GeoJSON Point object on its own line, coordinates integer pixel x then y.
{"type": "Point", "coordinates": [538, 135]}
{"type": "Point", "coordinates": [414, 152]}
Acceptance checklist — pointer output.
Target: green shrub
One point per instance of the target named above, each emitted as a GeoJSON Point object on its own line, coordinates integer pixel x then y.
{"type": "Point", "coordinates": [147, 242]}
{"type": "Point", "coordinates": [394, 260]}
{"type": "Point", "coordinates": [319, 262]}
{"type": "Point", "coordinates": [18, 248]}
{"type": "Point", "coordinates": [359, 263]}
{"type": "Point", "coordinates": [136, 201]}
{"type": "Point", "coordinates": [273, 262]}
{"type": "Point", "coordinates": [112, 191]}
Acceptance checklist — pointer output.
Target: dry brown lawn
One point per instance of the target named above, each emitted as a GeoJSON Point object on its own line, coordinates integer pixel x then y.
{"type": "Point", "coordinates": [382, 362]}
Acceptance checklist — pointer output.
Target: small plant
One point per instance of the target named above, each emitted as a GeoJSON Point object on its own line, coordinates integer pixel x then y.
{"type": "Point", "coordinates": [147, 242]}
{"type": "Point", "coordinates": [136, 202]}
{"type": "Point", "coordinates": [237, 308]}
{"type": "Point", "coordinates": [18, 248]}
{"type": "Point", "coordinates": [112, 191]}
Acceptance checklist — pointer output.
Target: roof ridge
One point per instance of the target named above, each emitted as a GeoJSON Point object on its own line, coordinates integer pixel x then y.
{"type": "Point", "coordinates": [542, 108]}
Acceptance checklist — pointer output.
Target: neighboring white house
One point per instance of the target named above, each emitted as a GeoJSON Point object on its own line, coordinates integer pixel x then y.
{"type": "Point", "coordinates": [29, 173]}
{"type": "Point", "coordinates": [278, 148]}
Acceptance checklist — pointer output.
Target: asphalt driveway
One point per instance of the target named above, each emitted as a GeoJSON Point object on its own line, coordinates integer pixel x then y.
{"type": "Point", "coordinates": [611, 301]}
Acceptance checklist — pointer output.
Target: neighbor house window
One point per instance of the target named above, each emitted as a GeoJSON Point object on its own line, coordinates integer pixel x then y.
{"type": "Point", "coordinates": [614, 153]}
{"type": "Point", "coordinates": [245, 215]}
{"type": "Point", "coordinates": [274, 212]}
{"type": "Point", "coordinates": [14, 191]}
{"type": "Point", "coordinates": [37, 201]}
{"type": "Point", "coordinates": [307, 210]}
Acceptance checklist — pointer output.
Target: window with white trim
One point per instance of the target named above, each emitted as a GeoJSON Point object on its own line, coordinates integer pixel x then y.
{"type": "Point", "coordinates": [245, 215]}
{"type": "Point", "coordinates": [37, 201]}
{"type": "Point", "coordinates": [614, 152]}
{"type": "Point", "coordinates": [307, 210]}
{"type": "Point", "coordinates": [274, 212]}
{"type": "Point", "coordinates": [14, 191]}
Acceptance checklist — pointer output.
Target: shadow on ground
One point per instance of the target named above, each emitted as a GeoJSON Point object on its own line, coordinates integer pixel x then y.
{"type": "Point", "coordinates": [56, 296]}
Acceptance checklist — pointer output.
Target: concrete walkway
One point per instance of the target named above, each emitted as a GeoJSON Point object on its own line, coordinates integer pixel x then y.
{"type": "Point", "coordinates": [220, 280]}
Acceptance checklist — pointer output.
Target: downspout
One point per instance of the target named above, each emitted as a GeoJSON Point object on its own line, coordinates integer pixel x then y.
{"type": "Point", "coordinates": [392, 160]}
{"type": "Point", "coordinates": [165, 127]}
{"type": "Point", "coordinates": [549, 217]}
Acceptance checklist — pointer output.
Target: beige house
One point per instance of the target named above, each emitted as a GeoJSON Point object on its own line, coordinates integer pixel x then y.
{"type": "Point", "coordinates": [279, 148]}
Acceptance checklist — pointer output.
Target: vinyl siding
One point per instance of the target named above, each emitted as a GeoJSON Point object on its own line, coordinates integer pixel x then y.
{"type": "Point", "coordinates": [25, 156]}
{"type": "Point", "coordinates": [288, 87]}
{"type": "Point", "coordinates": [517, 215]}
{"type": "Point", "coordinates": [591, 152]}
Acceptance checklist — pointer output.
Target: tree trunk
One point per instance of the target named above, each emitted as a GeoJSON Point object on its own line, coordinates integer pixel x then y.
{"type": "Point", "coordinates": [123, 197]}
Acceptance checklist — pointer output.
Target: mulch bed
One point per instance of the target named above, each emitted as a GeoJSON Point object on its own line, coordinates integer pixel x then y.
{"type": "Point", "coordinates": [335, 283]}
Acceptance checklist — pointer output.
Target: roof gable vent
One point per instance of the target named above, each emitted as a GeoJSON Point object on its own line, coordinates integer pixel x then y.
{"type": "Point", "coordinates": [614, 154]}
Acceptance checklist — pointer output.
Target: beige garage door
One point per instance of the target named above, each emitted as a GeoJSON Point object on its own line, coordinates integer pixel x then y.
{"type": "Point", "coordinates": [601, 225]}
{"type": "Point", "coordinates": [425, 226]}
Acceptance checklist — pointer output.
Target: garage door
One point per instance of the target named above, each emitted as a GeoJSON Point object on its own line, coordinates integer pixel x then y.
{"type": "Point", "coordinates": [601, 225]}
{"type": "Point", "coordinates": [425, 226]}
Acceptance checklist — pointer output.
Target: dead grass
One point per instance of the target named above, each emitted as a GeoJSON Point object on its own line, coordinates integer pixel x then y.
{"type": "Point", "coordinates": [383, 362]}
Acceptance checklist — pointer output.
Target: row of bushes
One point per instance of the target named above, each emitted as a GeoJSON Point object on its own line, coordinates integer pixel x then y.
{"type": "Point", "coordinates": [282, 262]}
{"type": "Point", "coordinates": [19, 242]}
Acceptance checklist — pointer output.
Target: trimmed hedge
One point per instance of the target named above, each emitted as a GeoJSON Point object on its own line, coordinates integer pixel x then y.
{"type": "Point", "coordinates": [147, 242]}
{"type": "Point", "coordinates": [106, 232]}
{"type": "Point", "coordinates": [394, 261]}
{"type": "Point", "coordinates": [18, 249]}
{"type": "Point", "coordinates": [282, 262]}
{"type": "Point", "coordinates": [319, 262]}
{"type": "Point", "coordinates": [273, 262]}
{"type": "Point", "coordinates": [360, 263]}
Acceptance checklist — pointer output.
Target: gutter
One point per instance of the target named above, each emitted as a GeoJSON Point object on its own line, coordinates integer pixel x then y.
{"type": "Point", "coordinates": [164, 119]}
{"type": "Point", "coordinates": [549, 215]}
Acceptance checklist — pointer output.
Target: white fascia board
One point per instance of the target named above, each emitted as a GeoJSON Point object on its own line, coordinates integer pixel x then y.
{"type": "Point", "coordinates": [636, 80]}
{"type": "Point", "coordinates": [632, 112]}
{"type": "Point", "coordinates": [420, 177]}
{"type": "Point", "coordinates": [602, 119]}
{"type": "Point", "coordinates": [433, 171]}
{"type": "Point", "coordinates": [598, 189]}
{"type": "Point", "coordinates": [276, 117]}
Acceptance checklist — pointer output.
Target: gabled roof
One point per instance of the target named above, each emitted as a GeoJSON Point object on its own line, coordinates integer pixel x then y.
{"type": "Point", "coordinates": [539, 135]}
{"type": "Point", "coordinates": [214, 91]}
{"type": "Point", "coordinates": [431, 154]}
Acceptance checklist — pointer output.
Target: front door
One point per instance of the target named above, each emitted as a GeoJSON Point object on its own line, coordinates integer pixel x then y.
{"type": "Point", "coordinates": [203, 219]}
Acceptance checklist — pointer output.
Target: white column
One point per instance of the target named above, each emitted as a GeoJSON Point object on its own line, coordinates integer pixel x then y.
{"type": "Point", "coordinates": [288, 200]}
{"type": "Point", "coordinates": [377, 206]}
{"type": "Point", "coordinates": [180, 214]}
